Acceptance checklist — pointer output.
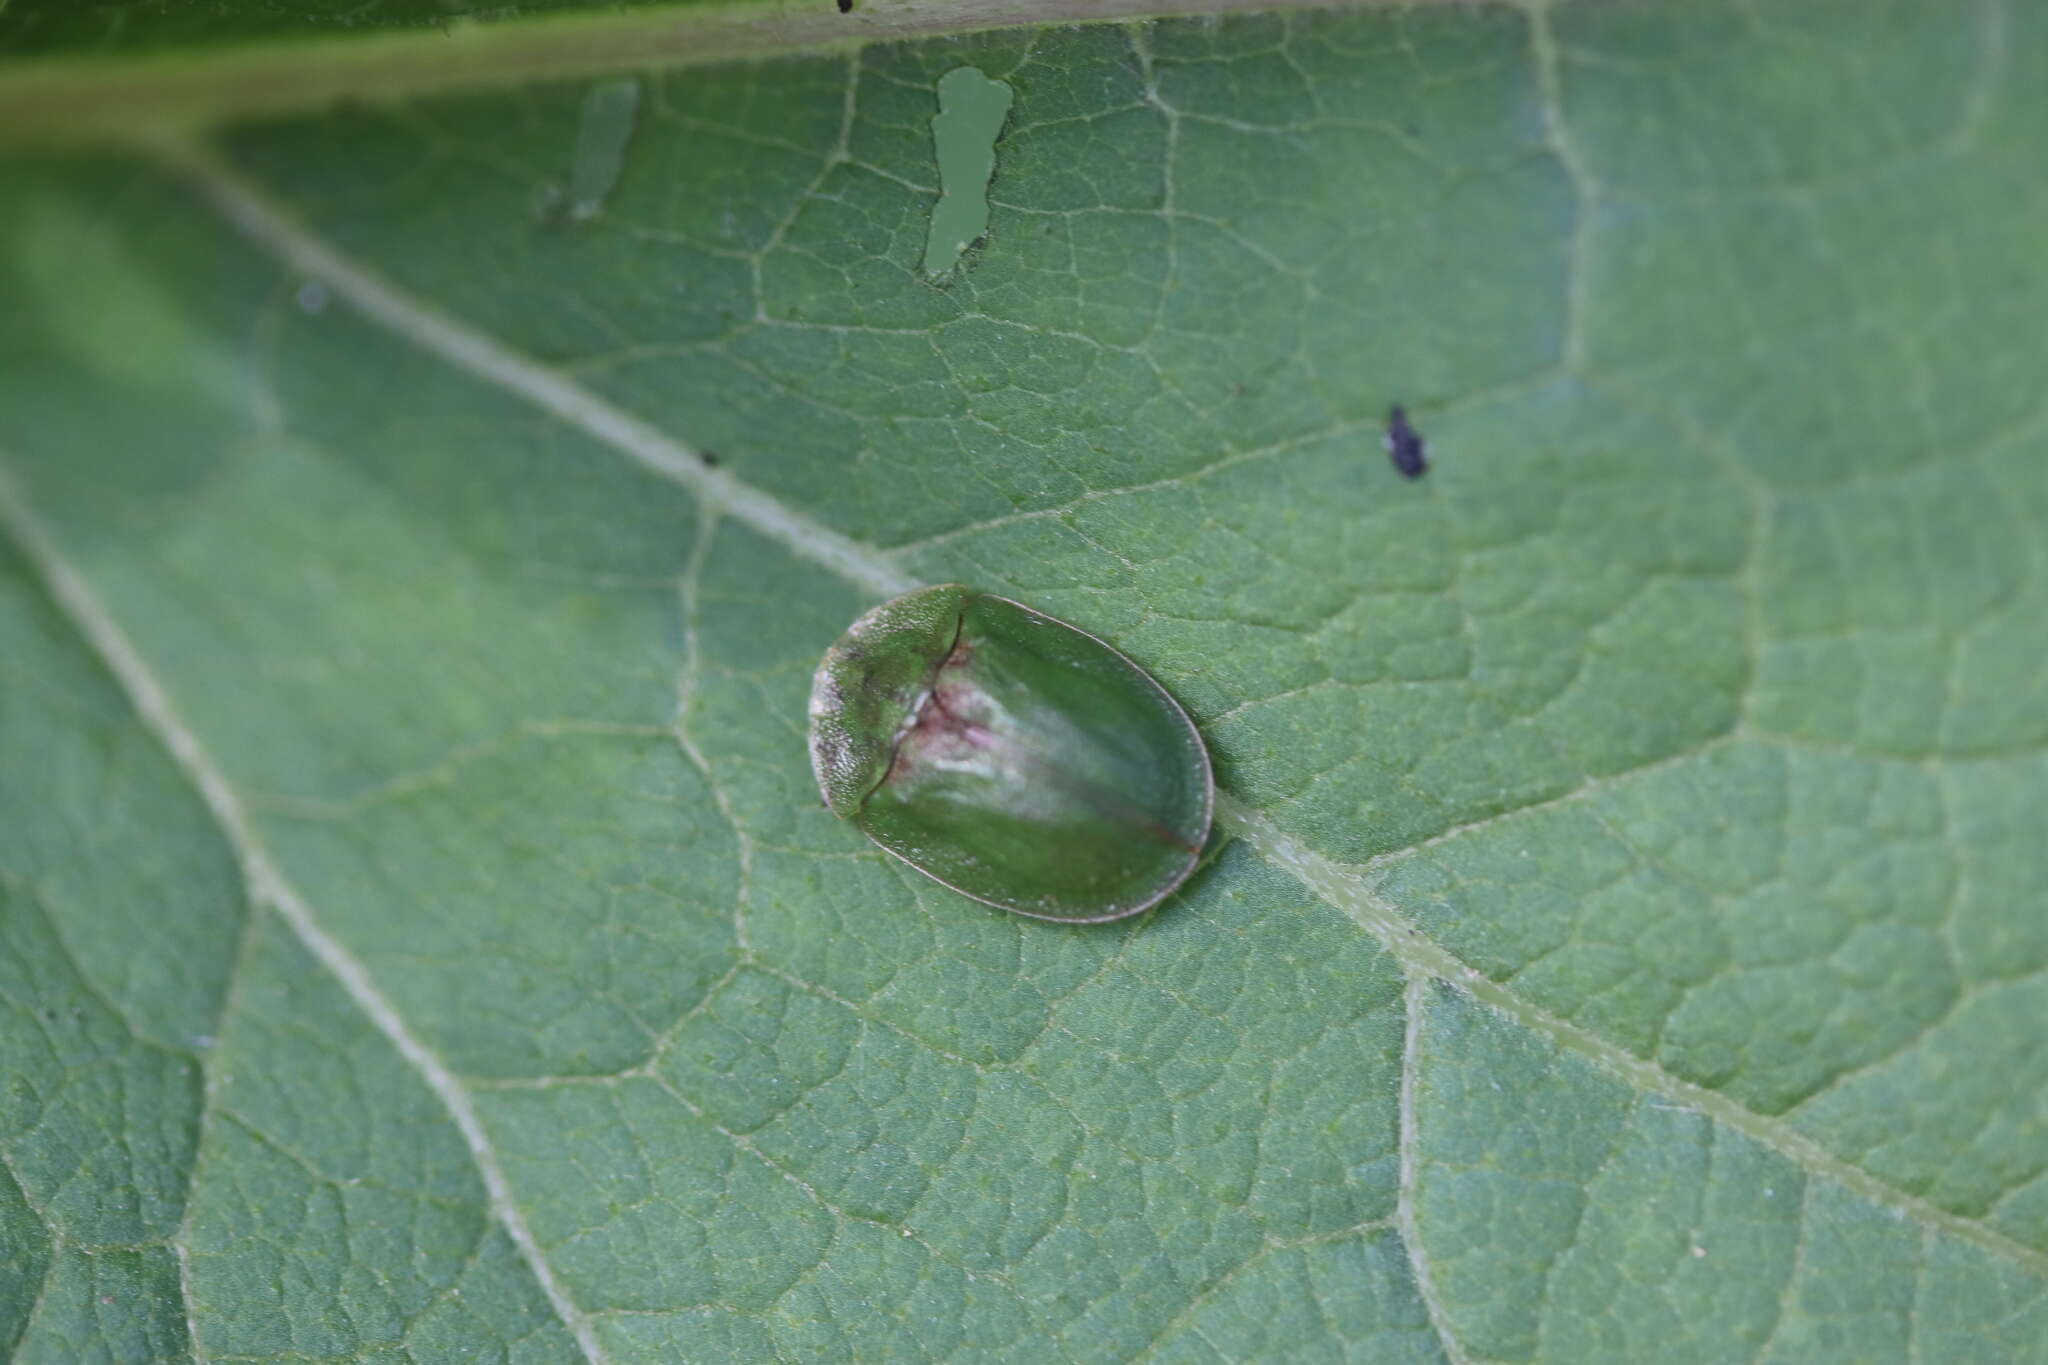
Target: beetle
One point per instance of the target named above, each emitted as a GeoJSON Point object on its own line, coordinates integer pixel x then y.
{"type": "Point", "coordinates": [1010, 756]}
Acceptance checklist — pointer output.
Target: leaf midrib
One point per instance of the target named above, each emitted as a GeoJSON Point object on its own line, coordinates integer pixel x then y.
{"type": "Point", "coordinates": [1346, 889]}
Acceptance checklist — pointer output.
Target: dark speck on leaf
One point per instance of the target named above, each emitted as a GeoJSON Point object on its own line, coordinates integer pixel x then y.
{"type": "Point", "coordinates": [710, 461]}
{"type": "Point", "coordinates": [846, 6]}
{"type": "Point", "coordinates": [1404, 444]}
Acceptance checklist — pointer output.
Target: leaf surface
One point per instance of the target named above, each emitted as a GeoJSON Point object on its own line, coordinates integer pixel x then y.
{"type": "Point", "coordinates": [420, 936]}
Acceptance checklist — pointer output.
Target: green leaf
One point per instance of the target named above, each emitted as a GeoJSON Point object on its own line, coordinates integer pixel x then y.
{"type": "Point", "coordinates": [420, 937]}
{"type": "Point", "coordinates": [45, 27]}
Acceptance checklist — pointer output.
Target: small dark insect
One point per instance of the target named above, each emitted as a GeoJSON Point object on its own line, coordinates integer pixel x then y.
{"type": "Point", "coordinates": [1404, 444]}
{"type": "Point", "coordinates": [846, 6]}
{"type": "Point", "coordinates": [710, 460]}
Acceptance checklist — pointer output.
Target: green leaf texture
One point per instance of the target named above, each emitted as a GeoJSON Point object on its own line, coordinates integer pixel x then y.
{"type": "Point", "coordinates": [420, 936]}
{"type": "Point", "coordinates": [40, 28]}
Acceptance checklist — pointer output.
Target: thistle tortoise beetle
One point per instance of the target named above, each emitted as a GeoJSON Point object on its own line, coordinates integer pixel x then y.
{"type": "Point", "coordinates": [1010, 756]}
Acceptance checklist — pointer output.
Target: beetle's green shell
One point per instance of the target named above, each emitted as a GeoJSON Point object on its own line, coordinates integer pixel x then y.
{"type": "Point", "coordinates": [1010, 756]}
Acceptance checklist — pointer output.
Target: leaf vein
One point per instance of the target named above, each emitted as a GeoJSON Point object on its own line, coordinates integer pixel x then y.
{"type": "Point", "coordinates": [1415, 1003]}
{"type": "Point", "coordinates": [267, 886]}
{"type": "Point", "coordinates": [878, 572]}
